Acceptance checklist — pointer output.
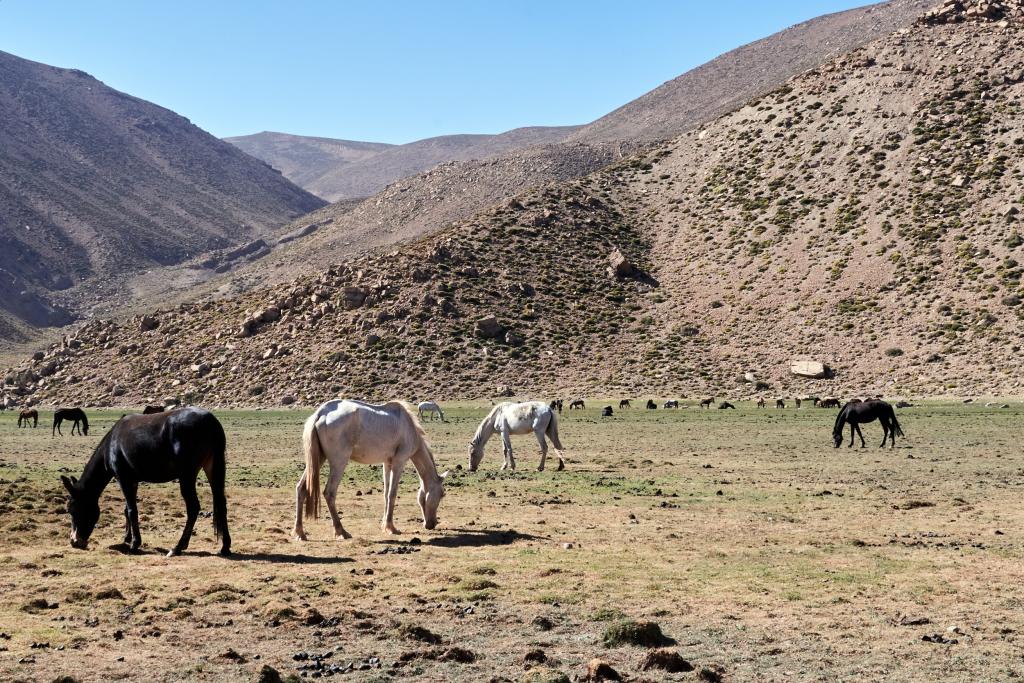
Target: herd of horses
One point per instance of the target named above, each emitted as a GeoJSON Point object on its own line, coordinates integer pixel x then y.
{"type": "Point", "coordinates": [160, 446]}
{"type": "Point", "coordinates": [673, 404]}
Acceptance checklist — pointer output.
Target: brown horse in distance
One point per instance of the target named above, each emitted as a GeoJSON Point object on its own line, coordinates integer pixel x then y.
{"type": "Point", "coordinates": [26, 415]}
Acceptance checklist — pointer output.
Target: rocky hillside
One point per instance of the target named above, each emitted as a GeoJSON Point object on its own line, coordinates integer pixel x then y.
{"type": "Point", "coordinates": [865, 215]}
{"type": "Point", "coordinates": [303, 159]}
{"type": "Point", "coordinates": [729, 81]}
{"type": "Point", "coordinates": [351, 175]}
{"type": "Point", "coordinates": [95, 184]}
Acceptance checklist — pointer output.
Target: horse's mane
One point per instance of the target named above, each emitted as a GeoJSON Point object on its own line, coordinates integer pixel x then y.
{"type": "Point", "coordinates": [411, 412]}
{"type": "Point", "coordinates": [489, 419]}
{"type": "Point", "coordinates": [838, 429]}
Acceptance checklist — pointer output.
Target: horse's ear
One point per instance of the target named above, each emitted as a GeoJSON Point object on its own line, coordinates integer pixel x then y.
{"type": "Point", "coordinates": [68, 484]}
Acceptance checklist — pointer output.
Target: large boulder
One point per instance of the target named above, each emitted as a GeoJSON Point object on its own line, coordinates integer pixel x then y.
{"type": "Point", "coordinates": [148, 323]}
{"type": "Point", "coordinates": [488, 327]}
{"type": "Point", "coordinates": [619, 265]}
{"type": "Point", "coordinates": [809, 368]}
{"type": "Point", "coordinates": [354, 297]}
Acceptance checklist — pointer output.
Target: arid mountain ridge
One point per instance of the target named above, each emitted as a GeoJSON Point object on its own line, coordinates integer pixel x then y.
{"type": "Point", "coordinates": [864, 214]}
{"type": "Point", "coordinates": [96, 184]}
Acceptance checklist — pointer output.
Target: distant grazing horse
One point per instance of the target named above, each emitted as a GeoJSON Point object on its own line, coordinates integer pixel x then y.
{"type": "Point", "coordinates": [706, 403]}
{"type": "Point", "coordinates": [857, 413]}
{"type": "Point", "coordinates": [624, 403]}
{"type": "Point", "coordinates": [828, 403]}
{"type": "Point", "coordinates": [779, 403]}
{"type": "Point", "coordinates": [369, 434]}
{"type": "Point", "coordinates": [557, 405]}
{"type": "Point", "coordinates": [26, 415]}
{"type": "Point", "coordinates": [904, 404]}
{"type": "Point", "coordinates": [606, 411]}
{"type": "Point", "coordinates": [516, 418]}
{"type": "Point", "coordinates": [152, 410]}
{"type": "Point", "coordinates": [75, 415]}
{"type": "Point", "coordinates": [671, 404]}
{"type": "Point", "coordinates": [761, 402]}
{"type": "Point", "coordinates": [651, 405]}
{"type": "Point", "coordinates": [432, 408]}
{"type": "Point", "coordinates": [153, 448]}
{"type": "Point", "coordinates": [797, 401]}
{"type": "Point", "coordinates": [725, 404]}
{"type": "Point", "coordinates": [577, 404]}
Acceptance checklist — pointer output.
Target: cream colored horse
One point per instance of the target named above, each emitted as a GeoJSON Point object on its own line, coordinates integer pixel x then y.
{"type": "Point", "coordinates": [388, 435]}
{"type": "Point", "coordinates": [432, 408]}
{"type": "Point", "coordinates": [517, 418]}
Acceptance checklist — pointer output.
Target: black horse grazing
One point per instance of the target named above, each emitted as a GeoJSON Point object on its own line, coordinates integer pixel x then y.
{"type": "Point", "coordinates": [706, 403]}
{"type": "Point", "coordinates": [76, 415]}
{"type": "Point", "coordinates": [26, 415]}
{"type": "Point", "coordinates": [671, 404]}
{"type": "Point", "coordinates": [578, 404]}
{"type": "Point", "coordinates": [606, 411]}
{"type": "Point", "coordinates": [651, 405]}
{"type": "Point", "coordinates": [153, 448]}
{"type": "Point", "coordinates": [725, 405]}
{"type": "Point", "coordinates": [152, 410]}
{"type": "Point", "coordinates": [857, 413]}
{"type": "Point", "coordinates": [624, 403]}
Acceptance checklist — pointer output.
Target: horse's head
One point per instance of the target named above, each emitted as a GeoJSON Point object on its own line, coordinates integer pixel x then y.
{"type": "Point", "coordinates": [430, 499]}
{"type": "Point", "coordinates": [84, 513]}
{"type": "Point", "coordinates": [476, 454]}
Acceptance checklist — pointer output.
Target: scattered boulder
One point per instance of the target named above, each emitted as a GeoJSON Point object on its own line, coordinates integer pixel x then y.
{"type": "Point", "coordinates": [666, 660]}
{"type": "Point", "coordinates": [148, 323]}
{"type": "Point", "coordinates": [268, 674]}
{"type": "Point", "coordinates": [809, 368]}
{"type": "Point", "coordinates": [619, 265]}
{"type": "Point", "coordinates": [354, 297]}
{"type": "Point", "coordinates": [600, 670]}
{"type": "Point", "coordinates": [642, 633]}
{"type": "Point", "coordinates": [270, 314]}
{"type": "Point", "coordinates": [488, 327]}
{"type": "Point", "coordinates": [504, 391]}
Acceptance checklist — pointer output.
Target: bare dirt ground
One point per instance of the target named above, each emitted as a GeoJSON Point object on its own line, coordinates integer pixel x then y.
{"type": "Point", "coordinates": [764, 553]}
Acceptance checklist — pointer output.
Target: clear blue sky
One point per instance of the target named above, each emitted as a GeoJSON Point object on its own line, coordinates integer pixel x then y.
{"type": "Point", "coordinates": [389, 71]}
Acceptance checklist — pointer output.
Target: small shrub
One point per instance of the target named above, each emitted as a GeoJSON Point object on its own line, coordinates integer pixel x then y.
{"type": "Point", "coordinates": [893, 352]}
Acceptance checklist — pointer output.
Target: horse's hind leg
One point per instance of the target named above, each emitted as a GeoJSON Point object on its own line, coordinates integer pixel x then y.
{"type": "Point", "coordinates": [187, 483]}
{"type": "Point", "coordinates": [216, 475]}
{"type": "Point", "coordinates": [301, 491]}
{"type": "Point", "coordinates": [885, 432]}
{"type": "Point", "coordinates": [539, 431]}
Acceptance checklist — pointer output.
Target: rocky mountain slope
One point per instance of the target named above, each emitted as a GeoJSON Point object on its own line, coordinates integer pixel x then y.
{"type": "Point", "coordinates": [730, 80]}
{"type": "Point", "coordinates": [95, 184]}
{"type": "Point", "coordinates": [352, 176]}
{"type": "Point", "coordinates": [864, 215]}
{"type": "Point", "coordinates": [303, 159]}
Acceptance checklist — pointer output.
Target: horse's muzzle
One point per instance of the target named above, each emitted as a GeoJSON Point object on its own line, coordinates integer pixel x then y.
{"type": "Point", "coordinates": [429, 526]}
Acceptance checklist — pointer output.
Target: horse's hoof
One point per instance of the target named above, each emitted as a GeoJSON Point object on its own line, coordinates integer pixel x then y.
{"type": "Point", "coordinates": [392, 531]}
{"type": "Point", "coordinates": [299, 535]}
{"type": "Point", "coordinates": [173, 552]}
{"type": "Point", "coordinates": [225, 552]}
{"type": "Point", "coordinates": [343, 536]}
{"type": "Point", "coordinates": [561, 466]}
{"type": "Point", "coordinates": [540, 468]}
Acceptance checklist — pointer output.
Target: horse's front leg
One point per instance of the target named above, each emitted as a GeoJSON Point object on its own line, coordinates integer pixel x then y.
{"type": "Point", "coordinates": [510, 460]}
{"type": "Point", "coordinates": [130, 490]}
{"type": "Point", "coordinates": [331, 495]}
{"type": "Point", "coordinates": [853, 433]}
{"type": "Point", "coordinates": [860, 433]}
{"type": "Point", "coordinates": [187, 484]}
{"type": "Point", "coordinates": [392, 477]}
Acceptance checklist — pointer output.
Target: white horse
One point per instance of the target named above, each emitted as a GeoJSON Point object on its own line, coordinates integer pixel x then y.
{"type": "Point", "coordinates": [432, 408]}
{"type": "Point", "coordinates": [388, 435]}
{"type": "Point", "coordinates": [517, 418]}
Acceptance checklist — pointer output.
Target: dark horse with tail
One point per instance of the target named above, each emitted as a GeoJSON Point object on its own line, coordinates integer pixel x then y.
{"type": "Point", "coordinates": [157, 449]}
{"type": "Point", "coordinates": [857, 413]}
{"type": "Point", "coordinates": [75, 415]}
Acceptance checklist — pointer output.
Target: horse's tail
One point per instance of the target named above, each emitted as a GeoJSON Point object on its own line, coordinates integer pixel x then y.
{"type": "Point", "coordinates": [895, 423]}
{"type": "Point", "coordinates": [218, 476]}
{"type": "Point", "coordinates": [552, 432]}
{"type": "Point", "coordinates": [314, 454]}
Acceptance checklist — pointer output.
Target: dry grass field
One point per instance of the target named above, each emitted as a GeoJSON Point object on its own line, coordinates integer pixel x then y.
{"type": "Point", "coordinates": [761, 551]}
